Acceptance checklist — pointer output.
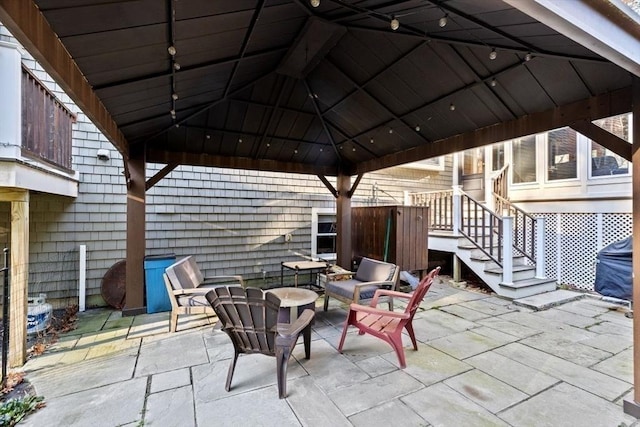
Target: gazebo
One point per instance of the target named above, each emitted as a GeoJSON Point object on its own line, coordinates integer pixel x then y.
{"type": "Point", "coordinates": [333, 88]}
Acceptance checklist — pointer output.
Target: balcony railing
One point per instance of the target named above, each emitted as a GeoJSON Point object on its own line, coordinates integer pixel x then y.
{"type": "Point", "coordinates": [46, 124]}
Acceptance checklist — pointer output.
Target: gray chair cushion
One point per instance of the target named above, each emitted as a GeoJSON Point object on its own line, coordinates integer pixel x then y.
{"type": "Point", "coordinates": [345, 288]}
{"type": "Point", "coordinates": [371, 270]}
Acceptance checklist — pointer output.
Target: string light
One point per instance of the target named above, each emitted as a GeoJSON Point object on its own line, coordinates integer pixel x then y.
{"type": "Point", "coordinates": [171, 50]}
{"type": "Point", "coordinates": [493, 82]}
{"type": "Point", "coordinates": [493, 54]}
{"type": "Point", "coordinates": [395, 24]}
{"type": "Point", "coordinates": [452, 106]}
{"type": "Point", "coordinates": [315, 3]}
{"type": "Point", "coordinates": [442, 22]}
{"type": "Point", "coordinates": [527, 57]}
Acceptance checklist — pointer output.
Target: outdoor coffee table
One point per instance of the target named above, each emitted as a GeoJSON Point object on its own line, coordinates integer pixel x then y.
{"type": "Point", "coordinates": [298, 266]}
{"type": "Point", "coordinates": [293, 301]}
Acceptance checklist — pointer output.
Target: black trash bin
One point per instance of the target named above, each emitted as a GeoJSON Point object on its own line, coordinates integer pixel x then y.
{"type": "Point", "coordinates": [154, 266]}
{"type": "Point", "coordinates": [614, 270]}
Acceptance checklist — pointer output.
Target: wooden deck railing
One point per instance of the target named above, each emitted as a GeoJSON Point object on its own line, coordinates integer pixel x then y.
{"type": "Point", "coordinates": [46, 124]}
{"type": "Point", "coordinates": [440, 205]}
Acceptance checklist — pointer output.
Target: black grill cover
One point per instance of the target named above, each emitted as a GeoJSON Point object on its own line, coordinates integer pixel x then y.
{"type": "Point", "coordinates": [614, 270]}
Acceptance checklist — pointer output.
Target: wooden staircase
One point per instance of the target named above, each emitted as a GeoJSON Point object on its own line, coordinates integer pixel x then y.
{"type": "Point", "coordinates": [505, 251]}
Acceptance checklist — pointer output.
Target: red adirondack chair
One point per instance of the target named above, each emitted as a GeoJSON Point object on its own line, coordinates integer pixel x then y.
{"type": "Point", "coordinates": [387, 325]}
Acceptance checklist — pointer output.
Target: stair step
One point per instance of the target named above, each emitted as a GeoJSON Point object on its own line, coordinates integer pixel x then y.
{"type": "Point", "coordinates": [525, 283]}
{"type": "Point", "coordinates": [547, 300]}
{"type": "Point", "coordinates": [516, 269]}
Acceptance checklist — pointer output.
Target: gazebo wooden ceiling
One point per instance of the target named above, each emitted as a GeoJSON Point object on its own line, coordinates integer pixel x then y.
{"type": "Point", "coordinates": [284, 86]}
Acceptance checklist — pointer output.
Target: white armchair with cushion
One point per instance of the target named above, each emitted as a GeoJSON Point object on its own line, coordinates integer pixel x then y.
{"type": "Point", "coordinates": [370, 276]}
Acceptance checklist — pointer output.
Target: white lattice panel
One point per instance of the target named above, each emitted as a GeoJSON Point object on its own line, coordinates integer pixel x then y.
{"type": "Point", "coordinates": [573, 240]}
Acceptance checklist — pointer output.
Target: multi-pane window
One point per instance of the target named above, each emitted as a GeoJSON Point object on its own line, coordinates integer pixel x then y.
{"type": "Point", "coordinates": [323, 233]}
{"type": "Point", "coordinates": [497, 156]}
{"type": "Point", "coordinates": [524, 160]}
{"type": "Point", "coordinates": [473, 161]}
{"type": "Point", "coordinates": [561, 154]}
{"type": "Point", "coordinates": [605, 162]}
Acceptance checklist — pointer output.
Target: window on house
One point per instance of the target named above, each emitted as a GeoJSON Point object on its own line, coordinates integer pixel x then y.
{"type": "Point", "coordinates": [524, 160]}
{"type": "Point", "coordinates": [605, 162]}
{"type": "Point", "coordinates": [561, 154]}
{"type": "Point", "coordinates": [497, 156]}
{"type": "Point", "coordinates": [323, 235]}
{"type": "Point", "coordinates": [473, 161]}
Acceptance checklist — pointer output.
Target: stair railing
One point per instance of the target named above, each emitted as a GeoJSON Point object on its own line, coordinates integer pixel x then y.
{"type": "Point", "coordinates": [482, 227]}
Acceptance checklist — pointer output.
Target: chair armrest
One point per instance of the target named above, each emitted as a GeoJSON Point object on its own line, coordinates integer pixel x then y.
{"type": "Point", "coordinates": [301, 322]}
{"type": "Point", "coordinates": [190, 291]}
{"type": "Point", "coordinates": [377, 283]}
{"type": "Point", "coordinates": [344, 273]}
{"type": "Point", "coordinates": [388, 293]}
{"type": "Point", "coordinates": [377, 311]}
{"type": "Point", "coordinates": [214, 279]}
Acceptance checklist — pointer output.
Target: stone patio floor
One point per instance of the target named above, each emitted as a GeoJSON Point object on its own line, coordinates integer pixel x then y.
{"type": "Point", "coordinates": [482, 361]}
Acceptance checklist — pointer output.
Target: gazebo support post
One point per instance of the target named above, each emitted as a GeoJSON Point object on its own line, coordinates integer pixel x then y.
{"type": "Point", "coordinates": [134, 299]}
{"type": "Point", "coordinates": [633, 407]}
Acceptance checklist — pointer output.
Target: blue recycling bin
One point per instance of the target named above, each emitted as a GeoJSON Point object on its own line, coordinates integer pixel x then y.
{"type": "Point", "coordinates": [154, 266]}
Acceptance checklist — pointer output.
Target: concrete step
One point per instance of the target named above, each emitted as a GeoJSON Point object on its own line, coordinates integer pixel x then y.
{"type": "Point", "coordinates": [546, 300]}
{"type": "Point", "coordinates": [520, 272]}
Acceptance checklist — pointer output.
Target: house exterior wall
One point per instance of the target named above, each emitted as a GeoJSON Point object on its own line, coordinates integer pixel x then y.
{"type": "Point", "coordinates": [232, 221]}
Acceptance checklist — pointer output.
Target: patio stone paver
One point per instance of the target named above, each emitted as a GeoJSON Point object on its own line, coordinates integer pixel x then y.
{"type": "Point", "coordinates": [573, 319]}
{"type": "Point", "coordinates": [590, 307]}
{"type": "Point", "coordinates": [514, 373]}
{"type": "Point", "coordinates": [171, 407]}
{"type": "Point", "coordinates": [434, 324]}
{"type": "Point", "coordinates": [430, 366]}
{"type": "Point", "coordinates": [600, 384]}
{"type": "Point", "coordinates": [93, 407]}
{"type": "Point", "coordinates": [566, 405]}
{"type": "Point", "coordinates": [171, 353]}
{"type": "Point", "coordinates": [485, 390]}
{"type": "Point", "coordinates": [612, 343]}
{"type": "Point", "coordinates": [469, 343]}
{"type": "Point", "coordinates": [312, 406]}
{"type": "Point", "coordinates": [442, 406]}
{"type": "Point", "coordinates": [611, 328]}
{"type": "Point", "coordinates": [465, 312]}
{"type": "Point", "coordinates": [373, 392]}
{"type": "Point", "coordinates": [559, 345]}
{"type": "Point", "coordinates": [259, 407]}
{"type": "Point", "coordinates": [618, 366]}
{"type": "Point", "coordinates": [169, 380]}
{"type": "Point", "coordinates": [387, 414]}
{"type": "Point", "coordinates": [86, 374]}
{"type": "Point", "coordinates": [508, 327]}
{"type": "Point", "coordinates": [492, 306]}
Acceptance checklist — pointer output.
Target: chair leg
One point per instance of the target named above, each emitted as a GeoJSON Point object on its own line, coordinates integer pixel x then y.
{"type": "Point", "coordinates": [390, 302]}
{"type": "Point", "coordinates": [344, 330]}
{"type": "Point", "coordinates": [173, 322]}
{"type": "Point", "coordinates": [232, 367]}
{"type": "Point", "coordinates": [306, 336]}
{"type": "Point", "coordinates": [326, 301]}
{"type": "Point", "coordinates": [412, 335]}
{"type": "Point", "coordinates": [282, 361]}
{"type": "Point", "coordinates": [396, 342]}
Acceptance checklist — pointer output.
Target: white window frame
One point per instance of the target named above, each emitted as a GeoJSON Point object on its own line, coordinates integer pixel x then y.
{"type": "Point", "coordinates": [433, 164]}
{"type": "Point", "coordinates": [316, 213]}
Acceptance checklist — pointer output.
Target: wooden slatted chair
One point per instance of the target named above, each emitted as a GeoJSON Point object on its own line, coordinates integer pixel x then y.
{"type": "Point", "coordinates": [388, 325]}
{"type": "Point", "coordinates": [250, 318]}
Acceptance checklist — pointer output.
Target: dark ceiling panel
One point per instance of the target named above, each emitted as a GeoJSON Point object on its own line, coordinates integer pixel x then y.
{"type": "Point", "coordinates": [364, 78]}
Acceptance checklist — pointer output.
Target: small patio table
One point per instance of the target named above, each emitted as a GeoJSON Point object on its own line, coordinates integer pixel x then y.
{"type": "Point", "coordinates": [293, 301]}
{"type": "Point", "coordinates": [298, 266]}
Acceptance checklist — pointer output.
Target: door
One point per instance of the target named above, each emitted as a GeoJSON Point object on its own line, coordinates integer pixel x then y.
{"type": "Point", "coordinates": [473, 173]}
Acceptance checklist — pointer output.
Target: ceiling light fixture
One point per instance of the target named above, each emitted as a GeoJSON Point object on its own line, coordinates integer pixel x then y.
{"type": "Point", "coordinates": [493, 82]}
{"type": "Point", "coordinates": [417, 128]}
{"type": "Point", "coordinates": [527, 57]}
{"type": "Point", "coordinates": [442, 22]}
{"type": "Point", "coordinates": [390, 130]}
{"type": "Point", "coordinates": [371, 140]}
{"type": "Point", "coordinates": [176, 66]}
{"type": "Point", "coordinates": [395, 24]}
{"type": "Point", "coordinates": [171, 50]}
{"type": "Point", "coordinates": [493, 54]}
{"type": "Point", "coordinates": [315, 3]}
{"type": "Point", "coordinates": [174, 96]}
{"type": "Point", "coordinates": [452, 106]}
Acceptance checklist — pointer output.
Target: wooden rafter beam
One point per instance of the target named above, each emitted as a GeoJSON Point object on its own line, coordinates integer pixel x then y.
{"type": "Point", "coordinates": [604, 138]}
{"type": "Point", "coordinates": [597, 107]}
{"type": "Point", "coordinates": [246, 163]}
{"type": "Point", "coordinates": [27, 24]}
